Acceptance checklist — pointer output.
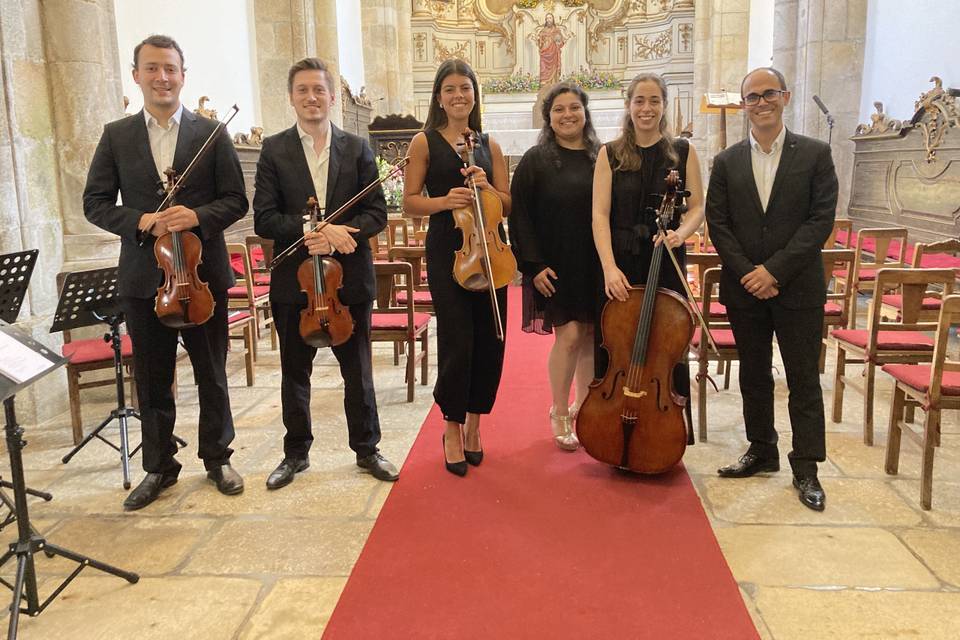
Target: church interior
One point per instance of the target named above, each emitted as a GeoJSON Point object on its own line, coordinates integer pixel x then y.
{"type": "Point", "coordinates": [502, 554]}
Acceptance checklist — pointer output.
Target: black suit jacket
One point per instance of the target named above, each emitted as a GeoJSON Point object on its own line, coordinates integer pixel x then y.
{"type": "Point", "coordinates": [283, 186]}
{"type": "Point", "coordinates": [788, 237]}
{"type": "Point", "coordinates": [214, 189]}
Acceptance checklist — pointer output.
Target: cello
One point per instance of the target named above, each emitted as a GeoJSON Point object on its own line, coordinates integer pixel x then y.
{"type": "Point", "coordinates": [632, 418]}
{"type": "Point", "coordinates": [484, 257]}
{"type": "Point", "coordinates": [325, 321]}
{"type": "Point", "coordinates": [183, 300]}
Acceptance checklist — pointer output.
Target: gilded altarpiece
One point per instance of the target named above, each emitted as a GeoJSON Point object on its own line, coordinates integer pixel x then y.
{"type": "Point", "coordinates": [527, 44]}
{"type": "Point", "coordinates": [907, 174]}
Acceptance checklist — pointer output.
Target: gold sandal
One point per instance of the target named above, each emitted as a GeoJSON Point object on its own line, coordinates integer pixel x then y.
{"type": "Point", "coordinates": [563, 435]}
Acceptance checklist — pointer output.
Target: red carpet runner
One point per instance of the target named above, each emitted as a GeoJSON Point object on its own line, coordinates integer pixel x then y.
{"type": "Point", "coordinates": [536, 542]}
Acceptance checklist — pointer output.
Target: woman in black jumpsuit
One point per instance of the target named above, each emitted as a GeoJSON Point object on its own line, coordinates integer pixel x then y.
{"type": "Point", "coordinates": [469, 354]}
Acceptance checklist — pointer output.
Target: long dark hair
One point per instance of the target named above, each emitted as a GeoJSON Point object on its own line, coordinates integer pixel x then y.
{"type": "Point", "coordinates": [548, 138]}
{"type": "Point", "coordinates": [625, 146]}
{"type": "Point", "coordinates": [437, 117]}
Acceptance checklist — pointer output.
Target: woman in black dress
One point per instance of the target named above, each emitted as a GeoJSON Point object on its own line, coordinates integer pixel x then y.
{"type": "Point", "coordinates": [469, 354]}
{"type": "Point", "coordinates": [627, 182]}
{"type": "Point", "coordinates": [553, 242]}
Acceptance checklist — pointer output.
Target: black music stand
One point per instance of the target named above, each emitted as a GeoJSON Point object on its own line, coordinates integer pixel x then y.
{"type": "Point", "coordinates": [89, 298]}
{"type": "Point", "coordinates": [15, 271]}
{"type": "Point", "coordinates": [22, 362]}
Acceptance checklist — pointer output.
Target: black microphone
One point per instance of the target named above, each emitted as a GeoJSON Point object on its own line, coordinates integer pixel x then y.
{"type": "Point", "coordinates": [820, 104]}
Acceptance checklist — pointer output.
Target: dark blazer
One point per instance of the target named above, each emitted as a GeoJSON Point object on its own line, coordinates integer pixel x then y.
{"type": "Point", "coordinates": [283, 185]}
{"type": "Point", "coordinates": [123, 163]}
{"type": "Point", "coordinates": [788, 237]}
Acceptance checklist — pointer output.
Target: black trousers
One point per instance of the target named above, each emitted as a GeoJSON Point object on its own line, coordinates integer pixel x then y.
{"type": "Point", "coordinates": [356, 367]}
{"type": "Point", "coordinates": [154, 358]}
{"type": "Point", "coordinates": [798, 334]}
{"type": "Point", "coordinates": [469, 354]}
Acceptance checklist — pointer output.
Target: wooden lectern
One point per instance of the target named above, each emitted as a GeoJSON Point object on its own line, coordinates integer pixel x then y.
{"type": "Point", "coordinates": [719, 102]}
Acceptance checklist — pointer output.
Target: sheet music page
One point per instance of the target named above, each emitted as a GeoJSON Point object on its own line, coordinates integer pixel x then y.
{"type": "Point", "coordinates": [18, 361]}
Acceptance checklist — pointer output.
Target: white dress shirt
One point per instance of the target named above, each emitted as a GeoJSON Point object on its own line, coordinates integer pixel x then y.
{"type": "Point", "coordinates": [765, 165]}
{"type": "Point", "coordinates": [318, 163]}
{"type": "Point", "coordinates": [163, 140]}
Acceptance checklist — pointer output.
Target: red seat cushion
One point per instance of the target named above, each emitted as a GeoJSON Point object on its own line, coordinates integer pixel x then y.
{"type": "Point", "coordinates": [236, 263]}
{"type": "Point", "coordinates": [940, 261]}
{"type": "Point", "coordinates": [716, 309]}
{"type": "Point", "coordinates": [896, 301]}
{"type": "Point", "coordinates": [841, 238]}
{"type": "Point", "coordinates": [904, 340]}
{"type": "Point", "coordinates": [419, 297]}
{"type": "Point", "coordinates": [832, 309]}
{"type": "Point", "coordinates": [241, 291]}
{"type": "Point", "coordinates": [398, 321]}
{"type": "Point", "coordinates": [237, 316]}
{"type": "Point", "coordinates": [261, 279]}
{"type": "Point", "coordinates": [723, 338]}
{"type": "Point", "coordinates": [918, 377]}
{"type": "Point", "coordinates": [95, 350]}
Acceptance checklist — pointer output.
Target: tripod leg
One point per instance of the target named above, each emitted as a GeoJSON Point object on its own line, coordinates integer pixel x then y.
{"type": "Point", "coordinates": [129, 576]}
{"type": "Point", "coordinates": [90, 436]}
{"type": "Point", "coordinates": [181, 442]}
{"type": "Point", "coordinates": [17, 596]}
{"type": "Point", "coordinates": [124, 451]}
{"type": "Point", "coordinates": [33, 492]}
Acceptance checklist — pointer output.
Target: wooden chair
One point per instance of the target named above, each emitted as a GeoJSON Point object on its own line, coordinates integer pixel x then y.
{"type": "Point", "coordinates": [241, 310]}
{"type": "Point", "coordinates": [935, 255]}
{"type": "Point", "coordinates": [836, 310]}
{"type": "Point", "coordinates": [260, 252]}
{"type": "Point", "coordinates": [700, 348]}
{"type": "Point", "coordinates": [247, 295]}
{"type": "Point", "coordinates": [414, 256]}
{"type": "Point", "coordinates": [89, 355]}
{"type": "Point", "coordinates": [932, 388]}
{"type": "Point", "coordinates": [878, 242]}
{"type": "Point", "coordinates": [841, 234]}
{"type": "Point", "coordinates": [883, 341]}
{"type": "Point", "coordinates": [400, 324]}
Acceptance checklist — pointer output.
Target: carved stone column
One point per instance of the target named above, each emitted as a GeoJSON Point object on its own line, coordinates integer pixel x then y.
{"type": "Point", "coordinates": [721, 29]}
{"type": "Point", "coordinates": [328, 49]}
{"type": "Point", "coordinates": [819, 47]}
{"type": "Point", "coordinates": [380, 61]}
{"type": "Point", "coordinates": [405, 57]}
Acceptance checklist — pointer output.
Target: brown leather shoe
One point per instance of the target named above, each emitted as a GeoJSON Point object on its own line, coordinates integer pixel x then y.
{"type": "Point", "coordinates": [228, 481]}
{"type": "Point", "coordinates": [748, 465]}
{"type": "Point", "coordinates": [148, 490]}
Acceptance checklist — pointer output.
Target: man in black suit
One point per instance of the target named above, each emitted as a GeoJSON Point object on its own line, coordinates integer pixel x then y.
{"type": "Point", "coordinates": [130, 160]}
{"type": "Point", "coordinates": [313, 158]}
{"type": "Point", "coordinates": [770, 206]}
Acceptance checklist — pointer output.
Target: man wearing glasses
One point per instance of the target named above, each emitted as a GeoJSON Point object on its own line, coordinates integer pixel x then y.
{"type": "Point", "coordinates": [770, 206]}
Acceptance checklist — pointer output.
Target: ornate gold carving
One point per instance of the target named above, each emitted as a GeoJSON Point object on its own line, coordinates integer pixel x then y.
{"type": "Point", "coordinates": [420, 46]}
{"type": "Point", "coordinates": [880, 123]}
{"type": "Point", "coordinates": [686, 37]}
{"type": "Point", "coordinates": [456, 50]}
{"type": "Point", "coordinates": [937, 111]}
{"type": "Point", "coordinates": [202, 110]}
{"type": "Point", "coordinates": [393, 149]}
{"type": "Point", "coordinates": [659, 47]}
{"type": "Point", "coordinates": [252, 139]}
{"type": "Point", "coordinates": [596, 34]}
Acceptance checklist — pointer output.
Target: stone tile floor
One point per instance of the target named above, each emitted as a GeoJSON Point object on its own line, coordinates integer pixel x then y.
{"type": "Point", "coordinates": [272, 565]}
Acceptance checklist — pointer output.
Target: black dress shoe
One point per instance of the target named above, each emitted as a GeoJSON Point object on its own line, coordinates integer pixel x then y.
{"type": "Point", "coordinates": [228, 481]}
{"type": "Point", "coordinates": [456, 468]}
{"type": "Point", "coordinates": [379, 467]}
{"type": "Point", "coordinates": [283, 474]}
{"type": "Point", "coordinates": [749, 464]}
{"type": "Point", "coordinates": [811, 493]}
{"type": "Point", "coordinates": [148, 490]}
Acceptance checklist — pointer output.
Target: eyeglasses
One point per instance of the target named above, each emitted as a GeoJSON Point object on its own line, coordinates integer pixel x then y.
{"type": "Point", "coordinates": [770, 95]}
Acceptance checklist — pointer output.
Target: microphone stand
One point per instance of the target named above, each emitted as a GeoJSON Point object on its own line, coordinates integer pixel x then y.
{"type": "Point", "coordinates": [830, 129]}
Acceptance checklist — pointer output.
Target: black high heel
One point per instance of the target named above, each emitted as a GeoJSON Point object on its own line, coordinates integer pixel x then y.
{"type": "Point", "coordinates": [473, 457]}
{"type": "Point", "coordinates": [456, 468]}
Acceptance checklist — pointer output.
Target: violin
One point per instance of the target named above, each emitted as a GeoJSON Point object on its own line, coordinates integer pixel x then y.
{"type": "Point", "coordinates": [484, 257]}
{"type": "Point", "coordinates": [184, 300]}
{"type": "Point", "coordinates": [325, 321]}
{"type": "Point", "coordinates": [632, 418]}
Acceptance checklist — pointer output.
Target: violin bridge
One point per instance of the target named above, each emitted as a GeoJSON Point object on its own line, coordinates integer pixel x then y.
{"type": "Point", "coordinates": [633, 394]}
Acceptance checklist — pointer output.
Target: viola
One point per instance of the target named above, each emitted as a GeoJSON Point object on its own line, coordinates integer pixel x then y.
{"type": "Point", "coordinates": [484, 257]}
{"type": "Point", "coordinates": [632, 418]}
{"type": "Point", "coordinates": [184, 300]}
{"type": "Point", "coordinates": [325, 321]}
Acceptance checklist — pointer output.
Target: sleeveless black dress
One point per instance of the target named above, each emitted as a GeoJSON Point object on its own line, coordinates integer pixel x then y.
{"type": "Point", "coordinates": [635, 198]}
{"type": "Point", "coordinates": [551, 226]}
{"type": "Point", "coordinates": [469, 354]}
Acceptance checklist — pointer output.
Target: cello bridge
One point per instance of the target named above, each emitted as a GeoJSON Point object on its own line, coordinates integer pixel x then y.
{"type": "Point", "coordinates": [633, 394]}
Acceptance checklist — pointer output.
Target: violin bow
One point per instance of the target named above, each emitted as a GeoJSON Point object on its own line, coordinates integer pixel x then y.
{"type": "Point", "coordinates": [397, 170]}
{"type": "Point", "coordinates": [221, 124]}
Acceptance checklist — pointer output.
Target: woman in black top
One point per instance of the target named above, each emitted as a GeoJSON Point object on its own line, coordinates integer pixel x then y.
{"type": "Point", "coordinates": [553, 242]}
{"type": "Point", "coordinates": [627, 182]}
{"type": "Point", "coordinates": [469, 354]}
